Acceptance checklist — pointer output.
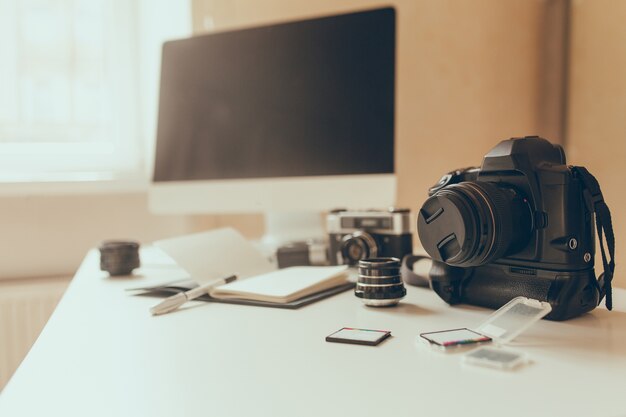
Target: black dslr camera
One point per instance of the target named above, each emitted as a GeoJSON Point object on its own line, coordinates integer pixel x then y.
{"type": "Point", "coordinates": [357, 235]}
{"type": "Point", "coordinates": [520, 225]}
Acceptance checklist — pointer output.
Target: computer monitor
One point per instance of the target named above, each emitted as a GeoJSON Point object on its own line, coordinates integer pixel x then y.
{"type": "Point", "coordinates": [290, 117]}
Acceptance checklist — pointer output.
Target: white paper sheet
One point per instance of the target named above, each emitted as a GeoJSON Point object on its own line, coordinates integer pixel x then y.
{"type": "Point", "coordinates": [215, 254]}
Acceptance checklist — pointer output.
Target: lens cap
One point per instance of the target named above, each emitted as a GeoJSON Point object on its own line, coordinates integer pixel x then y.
{"type": "Point", "coordinates": [473, 223]}
{"type": "Point", "coordinates": [446, 228]}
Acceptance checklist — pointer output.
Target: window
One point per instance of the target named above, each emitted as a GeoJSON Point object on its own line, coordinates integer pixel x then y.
{"type": "Point", "coordinates": [74, 75]}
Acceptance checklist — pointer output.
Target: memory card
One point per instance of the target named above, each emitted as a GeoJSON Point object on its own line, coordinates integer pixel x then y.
{"type": "Point", "coordinates": [358, 336]}
{"type": "Point", "coordinates": [446, 339]}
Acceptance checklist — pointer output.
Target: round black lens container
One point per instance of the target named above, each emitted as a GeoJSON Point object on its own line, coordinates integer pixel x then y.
{"type": "Point", "coordinates": [119, 257]}
{"type": "Point", "coordinates": [379, 283]}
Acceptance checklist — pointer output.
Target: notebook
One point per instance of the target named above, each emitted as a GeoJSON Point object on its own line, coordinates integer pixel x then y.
{"type": "Point", "coordinates": [170, 288]}
{"type": "Point", "coordinates": [284, 285]}
{"type": "Point", "coordinates": [223, 252]}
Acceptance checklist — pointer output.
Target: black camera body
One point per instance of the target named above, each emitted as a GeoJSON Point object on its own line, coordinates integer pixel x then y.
{"type": "Point", "coordinates": [357, 235]}
{"type": "Point", "coordinates": [520, 225]}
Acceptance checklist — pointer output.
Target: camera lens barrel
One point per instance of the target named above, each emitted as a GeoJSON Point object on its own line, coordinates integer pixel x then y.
{"type": "Point", "coordinates": [357, 246]}
{"type": "Point", "coordinates": [379, 282]}
{"type": "Point", "coordinates": [119, 257]}
{"type": "Point", "coordinates": [473, 223]}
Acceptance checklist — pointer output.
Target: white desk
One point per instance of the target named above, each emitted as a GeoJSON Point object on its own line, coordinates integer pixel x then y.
{"type": "Point", "coordinates": [102, 354]}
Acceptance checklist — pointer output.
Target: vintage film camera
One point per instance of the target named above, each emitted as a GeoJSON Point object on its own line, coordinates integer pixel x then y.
{"type": "Point", "coordinates": [521, 225]}
{"type": "Point", "coordinates": [356, 235]}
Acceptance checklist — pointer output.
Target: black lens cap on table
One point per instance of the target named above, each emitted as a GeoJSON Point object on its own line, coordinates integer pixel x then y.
{"type": "Point", "coordinates": [119, 257]}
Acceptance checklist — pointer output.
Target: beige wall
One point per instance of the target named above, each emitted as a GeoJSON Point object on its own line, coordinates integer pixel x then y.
{"type": "Point", "coordinates": [597, 104]}
{"type": "Point", "coordinates": [472, 73]}
{"type": "Point", "coordinates": [49, 235]}
{"type": "Point", "coordinates": [469, 74]}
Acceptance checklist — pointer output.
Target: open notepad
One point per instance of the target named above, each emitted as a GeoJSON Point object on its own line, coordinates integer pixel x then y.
{"type": "Point", "coordinates": [284, 285]}
{"type": "Point", "coordinates": [215, 254]}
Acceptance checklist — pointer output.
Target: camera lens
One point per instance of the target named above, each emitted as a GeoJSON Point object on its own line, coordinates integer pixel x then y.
{"type": "Point", "coordinates": [357, 246]}
{"type": "Point", "coordinates": [119, 257]}
{"type": "Point", "coordinates": [379, 283]}
{"type": "Point", "coordinates": [473, 223]}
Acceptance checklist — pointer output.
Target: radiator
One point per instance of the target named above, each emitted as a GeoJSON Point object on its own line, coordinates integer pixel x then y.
{"type": "Point", "coordinates": [25, 306]}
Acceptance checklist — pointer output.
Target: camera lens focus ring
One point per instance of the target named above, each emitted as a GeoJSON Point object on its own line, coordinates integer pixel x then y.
{"type": "Point", "coordinates": [496, 199]}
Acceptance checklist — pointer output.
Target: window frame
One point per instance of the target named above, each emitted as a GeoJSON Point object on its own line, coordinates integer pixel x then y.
{"type": "Point", "coordinates": [123, 164]}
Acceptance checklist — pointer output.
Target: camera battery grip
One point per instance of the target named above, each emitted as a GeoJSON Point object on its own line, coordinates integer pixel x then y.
{"type": "Point", "coordinates": [570, 293]}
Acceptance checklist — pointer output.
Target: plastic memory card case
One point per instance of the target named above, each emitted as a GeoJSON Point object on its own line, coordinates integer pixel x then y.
{"type": "Point", "coordinates": [502, 327]}
{"type": "Point", "coordinates": [513, 318]}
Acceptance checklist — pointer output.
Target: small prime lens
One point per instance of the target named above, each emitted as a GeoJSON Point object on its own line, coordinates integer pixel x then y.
{"type": "Point", "coordinates": [357, 246]}
{"type": "Point", "coordinates": [473, 223]}
{"type": "Point", "coordinates": [119, 257]}
{"type": "Point", "coordinates": [379, 283]}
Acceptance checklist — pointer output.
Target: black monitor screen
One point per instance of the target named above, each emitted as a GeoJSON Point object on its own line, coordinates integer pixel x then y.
{"type": "Point", "coordinates": [307, 98]}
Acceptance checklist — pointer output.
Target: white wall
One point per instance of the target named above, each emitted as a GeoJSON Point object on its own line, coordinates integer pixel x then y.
{"type": "Point", "coordinates": [49, 235]}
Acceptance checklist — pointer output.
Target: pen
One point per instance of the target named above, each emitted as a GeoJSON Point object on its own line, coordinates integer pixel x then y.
{"type": "Point", "coordinates": [177, 300]}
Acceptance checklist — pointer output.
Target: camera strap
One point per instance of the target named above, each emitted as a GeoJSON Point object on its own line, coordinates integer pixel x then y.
{"type": "Point", "coordinates": [596, 205]}
{"type": "Point", "coordinates": [408, 275]}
